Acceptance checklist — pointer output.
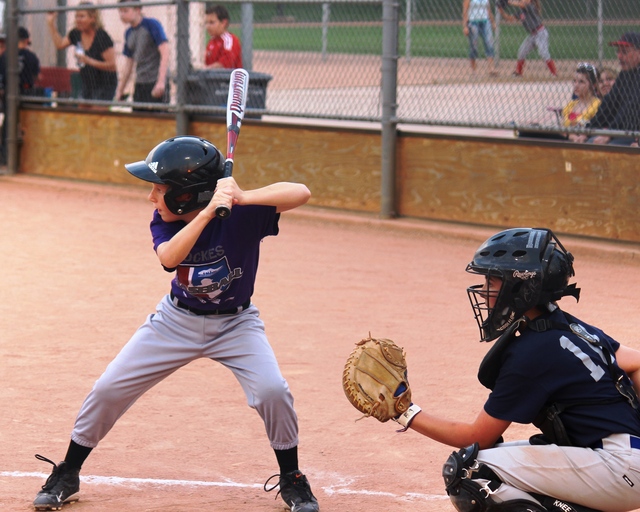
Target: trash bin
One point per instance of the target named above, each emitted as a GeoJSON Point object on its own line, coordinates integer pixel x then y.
{"type": "Point", "coordinates": [211, 87]}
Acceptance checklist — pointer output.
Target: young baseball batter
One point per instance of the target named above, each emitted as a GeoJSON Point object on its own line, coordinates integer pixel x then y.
{"type": "Point", "coordinates": [567, 377]}
{"type": "Point", "coordinates": [531, 17]}
{"type": "Point", "coordinates": [207, 314]}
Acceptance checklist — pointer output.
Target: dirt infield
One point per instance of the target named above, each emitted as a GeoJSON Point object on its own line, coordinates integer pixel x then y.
{"type": "Point", "coordinates": [80, 276]}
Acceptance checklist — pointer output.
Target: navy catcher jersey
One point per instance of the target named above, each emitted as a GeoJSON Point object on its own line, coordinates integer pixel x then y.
{"type": "Point", "coordinates": [220, 270]}
{"type": "Point", "coordinates": [558, 366]}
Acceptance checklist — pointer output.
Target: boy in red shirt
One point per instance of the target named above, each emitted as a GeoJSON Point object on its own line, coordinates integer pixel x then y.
{"type": "Point", "coordinates": [223, 49]}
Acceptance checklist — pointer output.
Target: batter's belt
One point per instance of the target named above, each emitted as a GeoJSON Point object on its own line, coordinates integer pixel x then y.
{"type": "Point", "coordinates": [203, 312]}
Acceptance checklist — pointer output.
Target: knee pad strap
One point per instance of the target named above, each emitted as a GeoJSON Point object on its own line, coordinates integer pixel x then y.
{"type": "Point", "coordinates": [471, 496]}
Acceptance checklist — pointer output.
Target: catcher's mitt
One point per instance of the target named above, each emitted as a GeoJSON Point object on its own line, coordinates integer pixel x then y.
{"type": "Point", "coordinates": [375, 379]}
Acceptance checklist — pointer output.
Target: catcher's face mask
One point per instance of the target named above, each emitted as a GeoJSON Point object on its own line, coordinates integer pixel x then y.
{"type": "Point", "coordinates": [483, 299]}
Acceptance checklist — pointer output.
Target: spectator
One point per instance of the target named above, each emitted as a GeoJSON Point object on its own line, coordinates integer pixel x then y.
{"type": "Point", "coordinates": [28, 63]}
{"type": "Point", "coordinates": [224, 49]}
{"type": "Point", "coordinates": [3, 43]}
{"type": "Point", "coordinates": [29, 71]}
{"type": "Point", "coordinates": [586, 102]}
{"type": "Point", "coordinates": [531, 17]}
{"type": "Point", "coordinates": [146, 46]}
{"type": "Point", "coordinates": [477, 21]}
{"type": "Point", "coordinates": [94, 51]}
{"type": "Point", "coordinates": [606, 78]}
{"type": "Point", "coordinates": [620, 109]}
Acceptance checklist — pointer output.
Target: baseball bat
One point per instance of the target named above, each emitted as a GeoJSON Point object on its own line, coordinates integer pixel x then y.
{"type": "Point", "coordinates": [236, 104]}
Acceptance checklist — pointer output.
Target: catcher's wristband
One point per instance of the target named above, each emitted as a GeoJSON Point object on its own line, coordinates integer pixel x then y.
{"type": "Point", "coordinates": [406, 418]}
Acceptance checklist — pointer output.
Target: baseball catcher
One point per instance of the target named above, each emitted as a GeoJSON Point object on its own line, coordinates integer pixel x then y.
{"type": "Point", "coordinates": [547, 368]}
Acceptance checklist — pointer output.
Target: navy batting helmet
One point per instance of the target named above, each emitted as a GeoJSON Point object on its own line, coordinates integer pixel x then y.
{"type": "Point", "coordinates": [534, 269]}
{"type": "Point", "coordinates": [190, 166]}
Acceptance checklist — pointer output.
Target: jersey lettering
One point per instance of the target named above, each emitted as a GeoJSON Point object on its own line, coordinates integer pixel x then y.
{"type": "Point", "coordinates": [204, 256]}
{"type": "Point", "coordinates": [214, 287]}
{"type": "Point", "coordinates": [206, 281]}
{"type": "Point", "coordinates": [596, 371]}
{"type": "Point", "coordinates": [563, 506]}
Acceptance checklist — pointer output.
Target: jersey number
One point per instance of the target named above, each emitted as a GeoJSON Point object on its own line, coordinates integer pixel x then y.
{"type": "Point", "coordinates": [596, 371]}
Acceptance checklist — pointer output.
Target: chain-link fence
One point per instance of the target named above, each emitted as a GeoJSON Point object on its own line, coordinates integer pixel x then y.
{"type": "Point", "coordinates": [326, 60]}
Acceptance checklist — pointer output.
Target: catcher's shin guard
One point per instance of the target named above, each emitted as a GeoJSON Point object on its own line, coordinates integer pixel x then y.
{"type": "Point", "coordinates": [470, 485]}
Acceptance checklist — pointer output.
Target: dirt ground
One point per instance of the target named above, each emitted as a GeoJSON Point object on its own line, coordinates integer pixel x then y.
{"type": "Point", "coordinates": [80, 276]}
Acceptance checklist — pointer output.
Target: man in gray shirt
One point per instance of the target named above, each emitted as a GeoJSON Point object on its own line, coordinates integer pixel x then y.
{"type": "Point", "coordinates": [147, 47]}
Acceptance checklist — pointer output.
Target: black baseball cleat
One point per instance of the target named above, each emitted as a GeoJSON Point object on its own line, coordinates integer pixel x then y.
{"type": "Point", "coordinates": [295, 491]}
{"type": "Point", "coordinates": [61, 487]}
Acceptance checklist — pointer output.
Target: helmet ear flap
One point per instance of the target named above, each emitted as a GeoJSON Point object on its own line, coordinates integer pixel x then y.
{"type": "Point", "coordinates": [518, 303]}
{"type": "Point", "coordinates": [187, 199]}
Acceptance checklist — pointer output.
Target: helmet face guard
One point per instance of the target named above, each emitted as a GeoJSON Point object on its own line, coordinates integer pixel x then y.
{"type": "Point", "coordinates": [190, 166]}
{"type": "Point", "coordinates": [483, 299]}
{"type": "Point", "coordinates": [532, 269]}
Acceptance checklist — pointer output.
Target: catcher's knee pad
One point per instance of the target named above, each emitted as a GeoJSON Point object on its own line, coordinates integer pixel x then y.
{"type": "Point", "coordinates": [470, 485]}
{"type": "Point", "coordinates": [466, 494]}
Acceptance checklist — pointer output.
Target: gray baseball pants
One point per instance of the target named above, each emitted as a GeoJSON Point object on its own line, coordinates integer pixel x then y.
{"type": "Point", "coordinates": [539, 40]}
{"type": "Point", "coordinates": [172, 338]}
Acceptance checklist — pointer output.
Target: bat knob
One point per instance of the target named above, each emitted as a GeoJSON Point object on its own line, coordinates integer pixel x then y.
{"type": "Point", "coordinates": [222, 212]}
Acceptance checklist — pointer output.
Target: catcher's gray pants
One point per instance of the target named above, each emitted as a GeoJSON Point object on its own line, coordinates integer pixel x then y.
{"type": "Point", "coordinates": [173, 337]}
{"type": "Point", "coordinates": [539, 40]}
{"type": "Point", "coordinates": [606, 479]}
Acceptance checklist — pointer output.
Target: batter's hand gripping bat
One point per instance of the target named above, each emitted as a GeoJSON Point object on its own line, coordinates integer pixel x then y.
{"type": "Point", "coordinates": [236, 104]}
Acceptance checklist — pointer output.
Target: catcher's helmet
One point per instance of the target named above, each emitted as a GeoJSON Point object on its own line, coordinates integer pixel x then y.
{"type": "Point", "coordinates": [534, 269]}
{"type": "Point", "coordinates": [191, 166]}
